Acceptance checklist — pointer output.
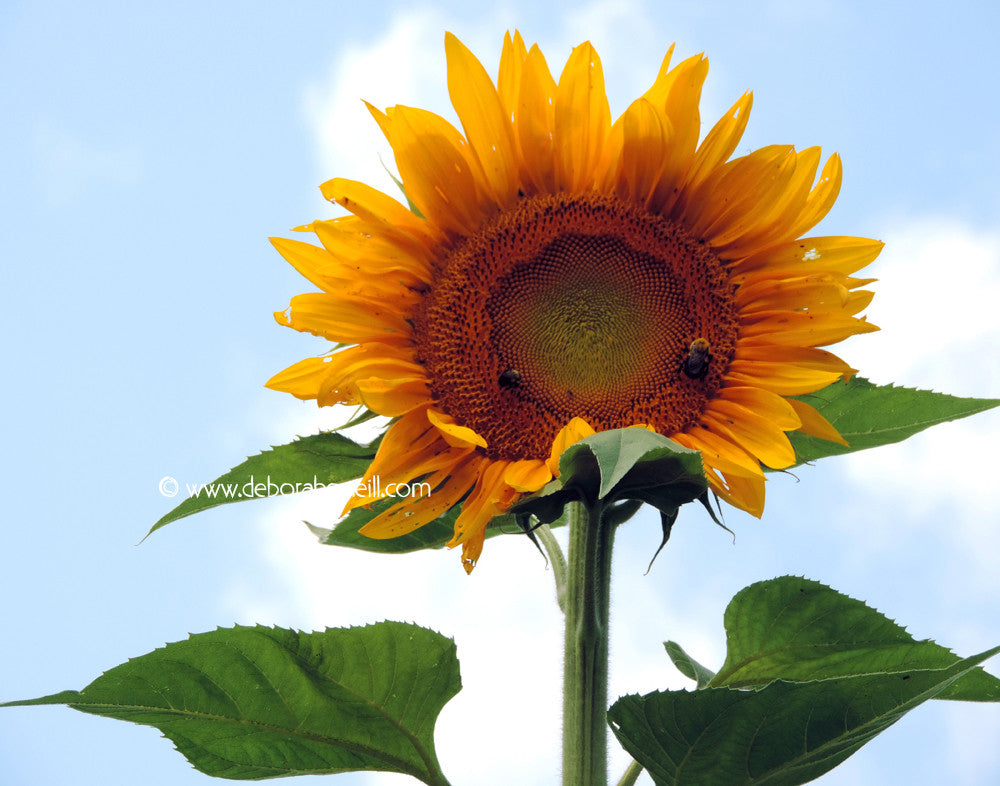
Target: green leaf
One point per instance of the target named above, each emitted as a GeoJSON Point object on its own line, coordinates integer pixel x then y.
{"type": "Point", "coordinates": [870, 415]}
{"type": "Point", "coordinates": [252, 703]}
{"type": "Point", "coordinates": [799, 630]}
{"type": "Point", "coordinates": [687, 665]}
{"type": "Point", "coordinates": [302, 465]}
{"type": "Point", "coordinates": [621, 464]}
{"type": "Point", "coordinates": [781, 735]}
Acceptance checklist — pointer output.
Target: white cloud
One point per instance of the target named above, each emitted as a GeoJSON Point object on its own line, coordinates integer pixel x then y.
{"type": "Point", "coordinates": [973, 761]}
{"type": "Point", "coordinates": [939, 282]}
{"type": "Point", "coordinates": [404, 66]}
{"type": "Point", "coordinates": [936, 302]}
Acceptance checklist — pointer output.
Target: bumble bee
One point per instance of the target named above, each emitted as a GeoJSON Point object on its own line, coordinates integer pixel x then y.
{"type": "Point", "coordinates": [696, 360]}
{"type": "Point", "coordinates": [510, 378]}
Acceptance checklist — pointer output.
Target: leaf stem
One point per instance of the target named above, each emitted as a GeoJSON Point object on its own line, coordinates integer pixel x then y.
{"type": "Point", "coordinates": [558, 561]}
{"type": "Point", "coordinates": [631, 774]}
{"type": "Point", "coordinates": [585, 665]}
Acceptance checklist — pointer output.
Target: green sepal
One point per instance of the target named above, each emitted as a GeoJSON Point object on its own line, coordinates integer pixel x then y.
{"type": "Point", "coordinates": [784, 734]}
{"type": "Point", "coordinates": [616, 465]}
{"type": "Point", "coordinates": [305, 464]}
{"type": "Point", "coordinates": [869, 415]}
{"type": "Point", "coordinates": [361, 415]}
{"type": "Point", "coordinates": [687, 665]}
{"type": "Point", "coordinates": [251, 703]}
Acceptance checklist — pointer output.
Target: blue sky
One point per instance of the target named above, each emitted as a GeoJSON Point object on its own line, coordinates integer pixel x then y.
{"type": "Point", "coordinates": [146, 153]}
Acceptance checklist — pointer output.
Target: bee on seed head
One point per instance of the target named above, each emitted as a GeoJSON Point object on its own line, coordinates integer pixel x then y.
{"type": "Point", "coordinates": [696, 360]}
{"type": "Point", "coordinates": [510, 378]}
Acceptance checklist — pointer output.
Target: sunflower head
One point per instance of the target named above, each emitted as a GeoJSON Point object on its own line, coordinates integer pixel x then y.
{"type": "Point", "coordinates": [564, 274]}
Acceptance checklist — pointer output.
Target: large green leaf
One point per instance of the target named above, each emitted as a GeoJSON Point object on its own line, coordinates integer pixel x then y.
{"type": "Point", "coordinates": [303, 465]}
{"type": "Point", "coordinates": [870, 415]}
{"type": "Point", "coordinates": [254, 703]}
{"type": "Point", "coordinates": [800, 630]}
{"type": "Point", "coordinates": [619, 465]}
{"type": "Point", "coordinates": [782, 735]}
{"type": "Point", "coordinates": [810, 675]}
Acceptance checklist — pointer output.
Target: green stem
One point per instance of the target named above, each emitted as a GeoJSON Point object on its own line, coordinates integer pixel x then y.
{"type": "Point", "coordinates": [585, 667]}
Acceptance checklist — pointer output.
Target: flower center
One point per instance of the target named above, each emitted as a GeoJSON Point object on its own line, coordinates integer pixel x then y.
{"type": "Point", "coordinates": [575, 306]}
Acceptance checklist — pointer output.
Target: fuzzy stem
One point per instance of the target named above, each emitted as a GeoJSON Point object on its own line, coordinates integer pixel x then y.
{"type": "Point", "coordinates": [585, 667]}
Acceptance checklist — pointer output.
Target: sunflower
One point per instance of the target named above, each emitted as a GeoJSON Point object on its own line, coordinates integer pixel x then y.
{"type": "Point", "coordinates": [561, 274]}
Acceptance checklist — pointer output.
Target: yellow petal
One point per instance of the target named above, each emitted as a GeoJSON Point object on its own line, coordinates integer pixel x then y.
{"type": "Point", "coordinates": [528, 475]}
{"type": "Point", "coordinates": [719, 452]}
{"type": "Point", "coordinates": [821, 198]}
{"type": "Point", "coordinates": [582, 119]}
{"type": "Point", "coordinates": [351, 242]}
{"type": "Point", "coordinates": [484, 503]}
{"type": "Point", "coordinates": [721, 141]}
{"type": "Point", "coordinates": [410, 514]}
{"type": "Point", "coordinates": [781, 378]}
{"type": "Point", "coordinates": [793, 294]}
{"type": "Point", "coordinates": [488, 130]}
{"type": "Point", "coordinates": [378, 210]}
{"type": "Point", "coordinates": [770, 406]}
{"type": "Point", "coordinates": [732, 198]}
{"type": "Point", "coordinates": [636, 151]}
{"type": "Point", "coordinates": [509, 76]}
{"type": "Point", "coordinates": [302, 379]}
{"type": "Point", "coordinates": [776, 216]}
{"type": "Point", "coordinates": [437, 170]}
{"type": "Point", "coordinates": [841, 255]}
{"type": "Point", "coordinates": [454, 434]}
{"type": "Point", "coordinates": [311, 262]}
{"type": "Point", "coordinates": [410, 448]}
{"type": "Point", "coordinates": [755, 434]}
{"type": "Point", "coordinates": [535, 122]}
{"type": "Point", "coordinates": [394, 398]}
{"type": "Point", "coordinates": [678, 93]}
{"type": "Point", "coordinates": [814, 424]}
{"type": "Point", "coordinates": [570, 434]}
{"type": "Point", "coordinates": [742, 492]}
{"type": "Point", "coordinates": [343, 319]}
{"type": "Point", "coordinates": [801, 328]}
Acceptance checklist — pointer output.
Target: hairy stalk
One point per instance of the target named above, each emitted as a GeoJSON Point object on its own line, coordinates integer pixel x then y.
{"type": "Point", "coordinates": [585, 667]}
